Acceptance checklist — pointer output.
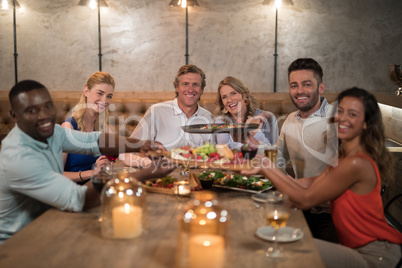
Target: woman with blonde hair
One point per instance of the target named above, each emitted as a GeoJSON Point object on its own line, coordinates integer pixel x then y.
{"type": "Point", "coordinates": [236, 105]}
{"type": "Point", "coordinates": [90, 114]}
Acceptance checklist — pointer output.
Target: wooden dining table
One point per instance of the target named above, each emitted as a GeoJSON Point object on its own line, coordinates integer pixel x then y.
{"type": "Point", "coordinates": [66, 239]}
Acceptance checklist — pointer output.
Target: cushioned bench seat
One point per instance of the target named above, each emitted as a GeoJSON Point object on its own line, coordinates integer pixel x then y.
{"type": "Point", "coordinates": [128, 107]}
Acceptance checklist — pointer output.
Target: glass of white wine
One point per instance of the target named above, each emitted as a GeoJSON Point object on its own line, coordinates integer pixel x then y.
{"type": "Point", "coordinates": [276, 216]}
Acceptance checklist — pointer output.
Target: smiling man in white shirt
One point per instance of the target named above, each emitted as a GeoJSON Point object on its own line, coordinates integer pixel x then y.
{"type": "Point", "coordinates": [163, 121]}
{"type": "Point", "coordinates": [308, 139]}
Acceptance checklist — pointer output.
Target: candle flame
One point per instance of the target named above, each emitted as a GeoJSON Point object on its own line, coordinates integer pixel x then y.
{"type": "Point", "coordinates": [206, 243]}
{"type": "Point", "coordinates": [127, 208]}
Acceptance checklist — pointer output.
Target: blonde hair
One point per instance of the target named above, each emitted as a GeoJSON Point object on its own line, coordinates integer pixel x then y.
{"type": "Point", "coordinates": [242, 89]}
{"type": "Point", "coordinates": [79, 109]}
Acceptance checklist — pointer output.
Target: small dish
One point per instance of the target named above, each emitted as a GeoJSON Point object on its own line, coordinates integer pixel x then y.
{"type": "Point", "coordinates": [285, 234]}
{"type": "Point", "coordinates": [206, 184]}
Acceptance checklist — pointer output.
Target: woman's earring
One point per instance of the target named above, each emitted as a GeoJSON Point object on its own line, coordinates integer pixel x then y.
{"type": "Point", "coordinates": [246, 99]}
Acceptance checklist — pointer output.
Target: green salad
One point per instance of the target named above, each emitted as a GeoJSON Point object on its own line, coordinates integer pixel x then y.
{"type": "Point", "coordinates": [236, 180]}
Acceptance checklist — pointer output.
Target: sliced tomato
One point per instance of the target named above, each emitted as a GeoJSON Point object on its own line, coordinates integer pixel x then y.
{"type": "Point", "coordinates": [214, 155]}
{"type": "Point", "coordinates": [238, 155]}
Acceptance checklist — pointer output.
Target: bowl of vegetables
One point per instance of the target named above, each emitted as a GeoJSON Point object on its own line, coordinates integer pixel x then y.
{"type": "Point", "coordinates": [207, 178]}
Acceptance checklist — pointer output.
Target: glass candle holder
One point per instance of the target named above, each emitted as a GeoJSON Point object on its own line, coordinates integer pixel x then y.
{"type": "Point", "coordinates": [124, 213]}
{"type": "Point", "coordinates": [181, 188]}
{"type": "Point", "coordinates": [203, 240]}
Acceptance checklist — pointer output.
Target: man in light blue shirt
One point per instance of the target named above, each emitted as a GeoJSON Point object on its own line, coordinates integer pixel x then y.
{"type": "Point", "coordinates": [31, 163]}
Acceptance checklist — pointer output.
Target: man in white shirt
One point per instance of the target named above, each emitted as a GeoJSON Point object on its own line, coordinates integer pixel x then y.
{"type": "Point", "coordinates": [163, 121]}
{"type": "Point", "coordinates": [308, 138]}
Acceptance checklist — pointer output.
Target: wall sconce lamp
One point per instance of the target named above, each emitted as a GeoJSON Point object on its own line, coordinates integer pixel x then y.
{"type": "Point", "coordinates": [5, 4]}
{"type": "Point", "coordinates": [185, 4]}
{"type": "Point", "coordinates": [96, 4]}
{"type": "Point", "coordinates": [277, 4]}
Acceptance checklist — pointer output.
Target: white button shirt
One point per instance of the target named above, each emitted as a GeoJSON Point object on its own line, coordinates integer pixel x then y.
{"type": "Point", "coordinates": [163, 122]}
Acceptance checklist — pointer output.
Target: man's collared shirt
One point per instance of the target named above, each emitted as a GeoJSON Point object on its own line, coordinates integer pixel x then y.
{"type": "Point", "coordinates": [163, 122]}
{"type": "Point", "coordinates": [31, 177]}
{"type": "Point", "coordinates": [310, 143]}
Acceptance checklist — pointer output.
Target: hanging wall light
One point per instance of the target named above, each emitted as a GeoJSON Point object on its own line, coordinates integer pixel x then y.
{"type": "Point", "coordinates": [185, 4]}
{"type": "Point", "coordinates": [277, 4]}
{"type": "Point", "coordinates": [5, 5]}
{"type": "Point", "coordinates": [96, 4]}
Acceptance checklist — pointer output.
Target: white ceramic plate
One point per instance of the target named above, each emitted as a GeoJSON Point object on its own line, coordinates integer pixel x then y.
{"type": "Point", "coordinates": [286, 234]}
{"type": "Point", "coordinates": [270, 197]}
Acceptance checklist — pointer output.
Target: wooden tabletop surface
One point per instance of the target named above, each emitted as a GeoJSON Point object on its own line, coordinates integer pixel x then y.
{"type": "Point", "coordinates": [64, 239]}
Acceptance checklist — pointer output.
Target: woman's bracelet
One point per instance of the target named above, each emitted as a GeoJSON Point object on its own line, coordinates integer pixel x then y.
{"type": "Point", "coordinates": [79, 174]}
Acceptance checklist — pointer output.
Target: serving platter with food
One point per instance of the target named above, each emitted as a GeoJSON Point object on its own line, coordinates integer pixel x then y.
{"type": "Point", "coordinates": [251, 184]}
{"type": "Point", "coordinates": [166, 185]}
{"type": "Point", "coordinates": [221, 128]}
{"type": "Point", "coordinates": [210, 156]}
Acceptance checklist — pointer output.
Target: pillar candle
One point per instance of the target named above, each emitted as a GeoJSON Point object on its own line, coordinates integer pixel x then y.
{"type": "Point", "coordinates": [206, 251]}
{"type": "Point", "coordinates": [127, 221]}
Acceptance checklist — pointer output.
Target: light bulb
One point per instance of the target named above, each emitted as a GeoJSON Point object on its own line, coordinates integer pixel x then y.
{"type": "Point", "coordinates": [4, 4]}
{"type": "Point", "coordinates": [93, 4]}
{"type": "Point", "coordinates": [278, 3]}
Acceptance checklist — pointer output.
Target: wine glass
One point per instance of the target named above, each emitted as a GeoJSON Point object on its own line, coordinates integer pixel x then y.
{"type": "Point", "coordinates": [276, 216]}
{"type": "Point", "coordinates": [101, 175]}
{"type": "Point", "coordinates": [112, 159]}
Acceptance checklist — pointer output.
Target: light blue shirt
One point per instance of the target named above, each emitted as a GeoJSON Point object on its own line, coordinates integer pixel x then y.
{"type": "Point", "coordinates": [31, 177]}
{"type": "Point", "coordinates": [267, 135]}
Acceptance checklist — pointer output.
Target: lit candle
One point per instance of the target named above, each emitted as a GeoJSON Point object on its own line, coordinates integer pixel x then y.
{"type": "Point", "coordinates": [181, 187]}
{"type": "Point", "coordinates": [127, 221]}
{"type": "Point", "coordinates": [206, 251]}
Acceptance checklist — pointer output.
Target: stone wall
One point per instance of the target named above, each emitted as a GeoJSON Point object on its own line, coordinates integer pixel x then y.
{"type": "Point", "coordinates": [143, 42]}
